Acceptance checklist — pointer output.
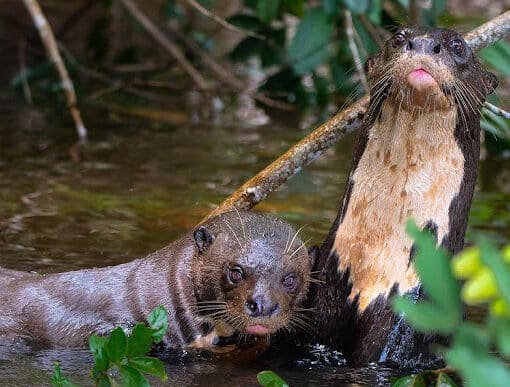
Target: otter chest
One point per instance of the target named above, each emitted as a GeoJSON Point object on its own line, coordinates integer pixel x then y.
{"type": "Point", "coordinates": [411, 167]}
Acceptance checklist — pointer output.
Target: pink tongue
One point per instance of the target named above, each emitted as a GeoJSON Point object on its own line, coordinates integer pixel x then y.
{"type": "Point", "coordinates": [421, 79]}
{"type": "Point", "coordinates": [258, 330]}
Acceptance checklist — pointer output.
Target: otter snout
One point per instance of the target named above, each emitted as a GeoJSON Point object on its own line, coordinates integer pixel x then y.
{"type": "Point", "coordinates": [423, 45]}
{"type": "Point", "coordinates": [260, 306]}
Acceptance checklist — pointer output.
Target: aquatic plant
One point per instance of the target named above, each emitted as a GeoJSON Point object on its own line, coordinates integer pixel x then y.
{"type": "Point", "coordinates": [486, 275]}
{"type": "Point", "coordinates": [124, 355]}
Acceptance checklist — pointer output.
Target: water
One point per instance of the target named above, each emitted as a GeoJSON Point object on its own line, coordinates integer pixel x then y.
{"type": "Point", "coordinates": [141, 184]}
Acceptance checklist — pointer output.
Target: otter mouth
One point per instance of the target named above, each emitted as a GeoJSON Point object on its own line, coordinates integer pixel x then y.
{"type": "Point", "coordinates": [258, 330]}
{"type": "Point", "coordinates": [420, 79]}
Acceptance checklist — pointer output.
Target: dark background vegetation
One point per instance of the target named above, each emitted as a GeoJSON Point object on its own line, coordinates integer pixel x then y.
{"type": "Point", "coordinates": [295, 52]}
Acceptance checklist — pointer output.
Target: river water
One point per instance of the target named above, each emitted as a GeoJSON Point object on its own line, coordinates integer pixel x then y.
{"type": "Point", "coordinates": [138, 185]}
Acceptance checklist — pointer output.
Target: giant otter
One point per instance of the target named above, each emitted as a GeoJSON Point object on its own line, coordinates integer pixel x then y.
{"type": "Point", "coordinates": [416, 157]}
{"type": "Point", "coordinates": [237, 272]}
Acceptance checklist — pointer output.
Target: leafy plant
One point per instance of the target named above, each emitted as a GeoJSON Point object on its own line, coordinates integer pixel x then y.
{"type": "Point", "coordinates": [270, 379]}
{"type": "Point", "coordinates": [58, 380]}
{"type": "Point", "coordinates": [126, 354]}
{"type": "Point", "coordinates": [486, 272]}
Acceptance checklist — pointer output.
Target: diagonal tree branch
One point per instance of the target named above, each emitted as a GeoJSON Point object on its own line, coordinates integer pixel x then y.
{"type": "Point", "coordinates": [348, 120]}
{"type": "Point", "coordinates": [168, 45]}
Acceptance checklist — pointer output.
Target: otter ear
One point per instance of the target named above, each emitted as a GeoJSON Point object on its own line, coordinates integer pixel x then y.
{"type": "Point", "coordinates": [313, 254]}
{"type": "Point", "coordinates": [489, 81]}
{"type": "Point", "coordinates": [203, 238]}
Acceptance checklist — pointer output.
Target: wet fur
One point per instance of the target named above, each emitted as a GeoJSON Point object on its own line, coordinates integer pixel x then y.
{"type": "Point", "coordinates": [187, 277]}
{"type": "Point", "coordinates": [409, 161]}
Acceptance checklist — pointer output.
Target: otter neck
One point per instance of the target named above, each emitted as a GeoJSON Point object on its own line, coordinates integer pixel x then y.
{"type": "Point", "coordinates": [411, 167]}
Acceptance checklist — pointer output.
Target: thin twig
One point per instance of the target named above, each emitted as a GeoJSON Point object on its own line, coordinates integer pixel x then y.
{"type": "Point", "coordinates": [348, 120]}
{"type": "Point", "coordinates": [415, 12]}
{"type": "Point", "coordinates": [358, 63]}
{"type": "Point", "coordinates": [169, 46]}
{"type": "Point", "coordinates": [226, 76]}
{"type": "Point", "coordinates": [23, 72]}
{"type": "Point", "coordinates": [496, 110]}
{"type": "Point", "coordinates": [222, 21]}
{"type": "Point", "coordinates": [50, 45]}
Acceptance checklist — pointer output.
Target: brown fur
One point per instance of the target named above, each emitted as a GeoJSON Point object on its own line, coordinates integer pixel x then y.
{"type": "Point", "coordinates": [189, 277]}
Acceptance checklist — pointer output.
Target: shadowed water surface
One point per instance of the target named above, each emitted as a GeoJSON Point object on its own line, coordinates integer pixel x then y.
{"type": "Point", "coordinates": [138, 186]}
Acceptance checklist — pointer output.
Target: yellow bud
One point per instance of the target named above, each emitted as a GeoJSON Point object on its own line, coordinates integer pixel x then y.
{"type": "Point", "coordinates": [499, 308]}
{"type": "Point", "coordinates": [481, 288]}
{"type": "Point", "coordinates": [467, 263]}
{"type": "Point", "coordinates": [506, 253]}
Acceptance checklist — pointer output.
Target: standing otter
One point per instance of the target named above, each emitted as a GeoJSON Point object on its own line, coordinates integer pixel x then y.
{"type": "Point", "coordinates": [416, 157]}
{"type": "Point", "coordinates": [243, 272]}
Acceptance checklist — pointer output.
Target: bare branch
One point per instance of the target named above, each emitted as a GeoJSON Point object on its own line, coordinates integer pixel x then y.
{"type": "Point", "coordinates": [490, 32]}
{"type": "Point", "coordinates": [348, 120]}
{"type": "Point", "coordinates": [50, 45]}
{"type": "Point", "coordinates": [496, 110]}
{"type": "Point", "coordinates": [303, 153]}
{"type": "Point", "coordinates": [169, 46]}
{"type": "Point", "coordinates": [415, 11]}
{"type": "Point", "coordinates": [222, 21]}
{"type": "Point", "coordinates": [358, 63]}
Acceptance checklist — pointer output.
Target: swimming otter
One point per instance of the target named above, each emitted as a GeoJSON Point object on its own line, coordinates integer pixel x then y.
{"type": "Point", "coordinates": [238, 271]}
{"type": "Point", "coordinates": [416, 157]}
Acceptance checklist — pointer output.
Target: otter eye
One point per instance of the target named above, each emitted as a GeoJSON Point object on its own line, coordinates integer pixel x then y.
{"type": "Point", "coordinates": [290, 282]}
{"type": "Point", "coordinates": [235, 274]}
{"type": "Point", "coordinates": [457, 46]}
{"type": "Point", "coordinates": [398, 40]}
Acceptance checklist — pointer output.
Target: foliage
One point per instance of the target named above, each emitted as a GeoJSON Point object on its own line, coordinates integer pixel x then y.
{"type": "Point", "coordinates": [58, 380]}
{"type": "Point", "coordinates": [486, 275]}
{"type": "Point", "coordinates": [270, 379]}
{"type": "Point", "coordinates": [125, 354]}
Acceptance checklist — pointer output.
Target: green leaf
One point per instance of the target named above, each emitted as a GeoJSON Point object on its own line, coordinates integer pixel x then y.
{"type": "Point", "coordinates": [132, 377]}
{"type": "Point", "coordinates": [321, 90]}
{"type": "Point", "coordinates": [331, 7]}
{"type": "Point", "coordinates": [443, 380]}
{"type": "Point", "coordinates": [270, 379]}
{"type": "Point", "coordinates": [493, 259]}
{"type": "Point", "coordinates": [116, 346]}
{"type": "Point", "coordinates": [426, 316]}
{"type": "Point", "coordinates": [246, 49]}
{"type": "Point", "coordinates": [158, 320]}
{"type": "Point", "coordinates": [433, 266]}
{"type": "Point", "coordinates": [58, 380]}
{"type": "Point", "coordinates": [247, 22]}
{"type": "Point", "coordinates": [500, 328]}
{"type": "Point", "coordinates": [149, 365]}
{"type": "Point", "coordinates": [100, 378]}
{"type": "Point", "coordinates": [357, 6]}
{"type": "Point", "coordinates": [267, 10]}
{"type": "Point", "coordinates": [140, 341]}
{"type": "Point", "coordinates": [97, 345]}
{"type": "Point", "coordinates": [295, 7]}
{"type": "Point", "coordinates": [308, 48]}
{"type": "Point", "coordinates": [468, 355]}
{"type": "Point", "coordinates": [410, 381]}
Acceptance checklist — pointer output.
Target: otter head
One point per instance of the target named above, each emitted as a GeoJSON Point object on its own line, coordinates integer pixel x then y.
{"type": "Point", "coordinates": [255, 273]}
{"type": "Point", "coordinates": [427, 70]}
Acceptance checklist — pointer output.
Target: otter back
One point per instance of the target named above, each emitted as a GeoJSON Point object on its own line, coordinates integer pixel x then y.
{"type": "Point", "coordinates": [238, 272]}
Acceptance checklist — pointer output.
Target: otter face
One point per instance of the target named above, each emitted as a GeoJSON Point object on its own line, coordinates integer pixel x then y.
{"type": "Point", "coordinates": [259, 277]}
{"type": "Point", "coordinates": [429, 69]}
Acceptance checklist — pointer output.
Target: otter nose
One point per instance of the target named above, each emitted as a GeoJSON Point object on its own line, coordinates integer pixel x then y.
{"type": "Point", "coordinates": [424, 45]}
{"type": "Point", "coordinates": [260, 306]}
